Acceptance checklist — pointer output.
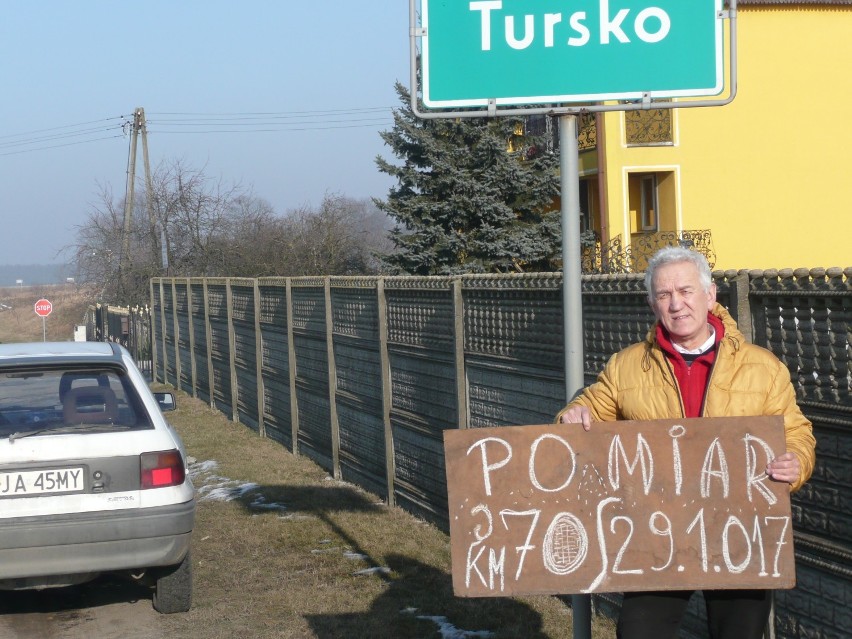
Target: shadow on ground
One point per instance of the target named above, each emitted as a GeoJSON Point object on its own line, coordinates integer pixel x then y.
{"type": "Point", "coordinates": [400, 612]}
{"type": "Point", "coordinates": [103, 591]}
{"type": "Point", "coordinates": [395, 613]}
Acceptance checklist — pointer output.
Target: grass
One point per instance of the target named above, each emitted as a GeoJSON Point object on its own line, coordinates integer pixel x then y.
{"type": "Point", "coordinates": [281, 559]}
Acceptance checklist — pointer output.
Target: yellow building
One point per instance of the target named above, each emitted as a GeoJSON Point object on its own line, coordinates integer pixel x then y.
{"type": "Point", "coordinates": [769, 175]}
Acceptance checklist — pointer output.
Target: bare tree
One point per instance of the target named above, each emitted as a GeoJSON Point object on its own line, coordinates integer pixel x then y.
{"type": "Point", "coordinates": [96, 252]}
{"type": "Point", "coordinates": [196, 226]}
{"type": "Point", "coordinates": [192, 210]}
{"type": "Point", "coordinates": [338, 238]}
{"type": "Point", "coordinates": [255, 239]}
{"type": "Point", "coordinates": [179, 232]}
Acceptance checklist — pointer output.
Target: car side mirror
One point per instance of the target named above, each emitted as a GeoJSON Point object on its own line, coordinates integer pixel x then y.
{"type": "Point", "coordinates": [166, 400]}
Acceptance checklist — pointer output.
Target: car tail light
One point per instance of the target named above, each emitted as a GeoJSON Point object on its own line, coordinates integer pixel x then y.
{"type": "Point", "coordinates": [158, 470]}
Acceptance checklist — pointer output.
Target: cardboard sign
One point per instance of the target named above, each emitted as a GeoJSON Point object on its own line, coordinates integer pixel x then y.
{"type": "Point", "coordinates": [628, 506]}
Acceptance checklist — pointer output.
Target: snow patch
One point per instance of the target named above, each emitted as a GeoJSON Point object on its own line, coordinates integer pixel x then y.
{"type": "Point", "coordinates": [448, 630]}
{"type": "Point", "coordinates": [378, 570]}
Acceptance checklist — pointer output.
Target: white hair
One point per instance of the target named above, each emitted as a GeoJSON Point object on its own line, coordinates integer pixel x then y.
{"type": "Point", "coordinates": [675, 255]}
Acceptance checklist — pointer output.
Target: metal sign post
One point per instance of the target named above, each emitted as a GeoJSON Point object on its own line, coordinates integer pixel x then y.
{"type": "Point", "coordinates": [572, 301]}
{"type": "Point", "coordinates": [572, 306]}
{"type": "Point", "coordinates": [485, 58]}
{"type": "Point", "coordinates": [43, 308]}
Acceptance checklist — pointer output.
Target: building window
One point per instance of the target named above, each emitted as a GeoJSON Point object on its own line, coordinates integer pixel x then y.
{"type": "Point", "coordinates": [585, 206]}
{"type": "Point", "coordinates": [648, 203]}
{"type": "Point", "coordinates": [542, 127]}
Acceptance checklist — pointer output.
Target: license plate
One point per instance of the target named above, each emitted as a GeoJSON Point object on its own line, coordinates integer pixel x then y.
{"type": "Point", "coordinates": [41, 482]}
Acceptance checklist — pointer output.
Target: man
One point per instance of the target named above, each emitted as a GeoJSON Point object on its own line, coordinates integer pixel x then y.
{"type": "Point", "coordinates": [695, 363]}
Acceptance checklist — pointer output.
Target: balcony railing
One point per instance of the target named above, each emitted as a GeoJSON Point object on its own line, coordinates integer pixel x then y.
{"type": "Point", "coordinates": [648, 128]}
{"type": "Point", "coordinates": [642, 128]}
{"type": "Point", "coordinates": [616, 257]}
{"type": "Point", "coordinates": [547, 127]}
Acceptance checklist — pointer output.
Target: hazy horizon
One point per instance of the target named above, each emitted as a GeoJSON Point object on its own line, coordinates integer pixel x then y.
{"type": "Point", "coordinates": [34, 274]}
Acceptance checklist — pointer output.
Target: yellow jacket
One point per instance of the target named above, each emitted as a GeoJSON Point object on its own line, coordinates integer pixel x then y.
{"type": "Point", "coordinates": [638, 384]}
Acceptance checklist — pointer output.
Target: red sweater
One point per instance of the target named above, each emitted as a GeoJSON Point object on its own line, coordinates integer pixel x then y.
{"type": "Point", "coordinates": [692, 378]}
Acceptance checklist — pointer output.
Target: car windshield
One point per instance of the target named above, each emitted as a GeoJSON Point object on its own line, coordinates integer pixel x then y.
{"type": "Point", "coordinates": [41, 400]}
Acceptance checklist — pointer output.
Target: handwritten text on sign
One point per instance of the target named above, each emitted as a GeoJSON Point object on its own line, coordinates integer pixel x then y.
{"type": "Point", "coordinates": [627, 506]}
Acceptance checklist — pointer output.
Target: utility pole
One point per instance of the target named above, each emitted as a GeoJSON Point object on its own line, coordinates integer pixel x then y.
{"type": "Point", "coordinates": [124, 264]}
{"type": "Point", "coordinates": [139, 125]}
{"type": "Point", "coordinates": [159, 251]}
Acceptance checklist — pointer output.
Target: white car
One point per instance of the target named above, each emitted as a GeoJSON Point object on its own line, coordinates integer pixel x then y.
{"type": "Point", "coordinates": [93, 479]}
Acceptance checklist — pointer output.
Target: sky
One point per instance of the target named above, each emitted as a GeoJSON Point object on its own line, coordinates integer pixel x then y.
{"type": "Point", "coordinates": [283, 97]}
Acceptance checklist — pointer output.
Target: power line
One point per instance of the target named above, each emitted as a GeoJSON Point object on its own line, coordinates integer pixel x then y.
{"type": "Point", "coordinates": [39, 139]}
{"type": "Point", "coordinates": [47, 138]}
{"type": "Point", "coordinates": [192, 122]}
{"type": "Point", "coordinates": [55, 146]}
{"type": "Point", "coordinates": [283, 126]}
{"type": "Point", "coordinates": [278, 130]}
{"type": "Point", "coordinates": [57, 128]}
{"type": "Point", "coordinates": [175, 123]}
{"type": "Point", "coordinates": [281, 121]}
{"type": "Point", "coordinates": [282, 114]}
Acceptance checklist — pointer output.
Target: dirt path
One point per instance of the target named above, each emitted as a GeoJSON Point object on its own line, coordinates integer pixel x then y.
{"type": "Point", "coordinates": [102, 609]}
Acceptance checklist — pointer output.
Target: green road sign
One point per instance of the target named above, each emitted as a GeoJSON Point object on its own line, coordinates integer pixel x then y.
{"type": "Point", "coordinates": [520, 52]}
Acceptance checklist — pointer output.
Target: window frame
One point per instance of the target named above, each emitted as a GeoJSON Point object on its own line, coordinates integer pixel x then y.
{"type": "Point", "coordinates": [649, 216]}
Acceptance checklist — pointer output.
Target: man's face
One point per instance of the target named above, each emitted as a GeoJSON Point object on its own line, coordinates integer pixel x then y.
{"type": "Point", "coordinates": [681, 303]}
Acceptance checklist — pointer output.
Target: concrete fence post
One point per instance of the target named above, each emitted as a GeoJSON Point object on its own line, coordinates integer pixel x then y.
{"type": "Point", "coordinates": [332, 380]}
{"type": "Point", "coordinates": [258, 356]}
{"type": "Point", "coordinates": [461, 370]}
{"type": "Point", "coordinates": [291, 366]}
{"type": "Point", "coordinates": [190, 312]}
{"type": "Point", "coordinates": [176, 334]}
{"type": "Point", "coordinates": [208, 333]}
{"type": "Point", "coordinates": [164, 332]}
{"type": "Point", "coordinates": [232, 347]}
{"type": "Point", "coordinates": [743, 305]}
{"type": "Point", "coordinates": [153, 329]}
{"type": "Point", "coordinates": [387, 391]}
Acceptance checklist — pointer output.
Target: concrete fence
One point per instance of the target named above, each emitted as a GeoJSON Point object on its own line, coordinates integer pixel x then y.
{"type": "Point", "coordinates": [364, 374]}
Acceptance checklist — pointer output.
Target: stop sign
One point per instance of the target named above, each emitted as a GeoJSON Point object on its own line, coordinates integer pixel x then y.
{"type": "Point", "coordinates": [43, 307]}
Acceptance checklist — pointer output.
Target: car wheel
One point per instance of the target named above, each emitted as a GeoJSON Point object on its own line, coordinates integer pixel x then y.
{"type": "Point", "coordinates": [173, 588]}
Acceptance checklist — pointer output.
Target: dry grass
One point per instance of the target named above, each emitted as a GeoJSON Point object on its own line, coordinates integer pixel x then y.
{"type": "Point", "coordinates": [19, 323]}
{"type": "Point", "coordinates": [290, 572]}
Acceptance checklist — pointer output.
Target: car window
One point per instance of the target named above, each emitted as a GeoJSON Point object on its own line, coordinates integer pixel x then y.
{"type": "Point", "coordinates": [39, 399]}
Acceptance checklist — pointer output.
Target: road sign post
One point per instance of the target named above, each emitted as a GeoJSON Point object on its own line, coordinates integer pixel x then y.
{"type": "Point", "coordinates": [522, 57]}
{"type": "Point", "coordinates": [43, 308]}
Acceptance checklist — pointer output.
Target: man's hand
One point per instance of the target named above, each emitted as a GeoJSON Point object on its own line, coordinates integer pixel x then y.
{"type": "Point", "coordinates": [578, 415]}
{"type": "Point", "coordinates": [785, 467]}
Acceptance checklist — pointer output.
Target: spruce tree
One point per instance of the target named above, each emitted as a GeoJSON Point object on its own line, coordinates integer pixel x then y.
{"type": "Point", "coordinates": [473, 195]}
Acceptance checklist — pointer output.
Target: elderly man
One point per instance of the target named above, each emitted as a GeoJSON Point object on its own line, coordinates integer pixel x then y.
{"type": "Point", "coordinates": [695, 363]}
